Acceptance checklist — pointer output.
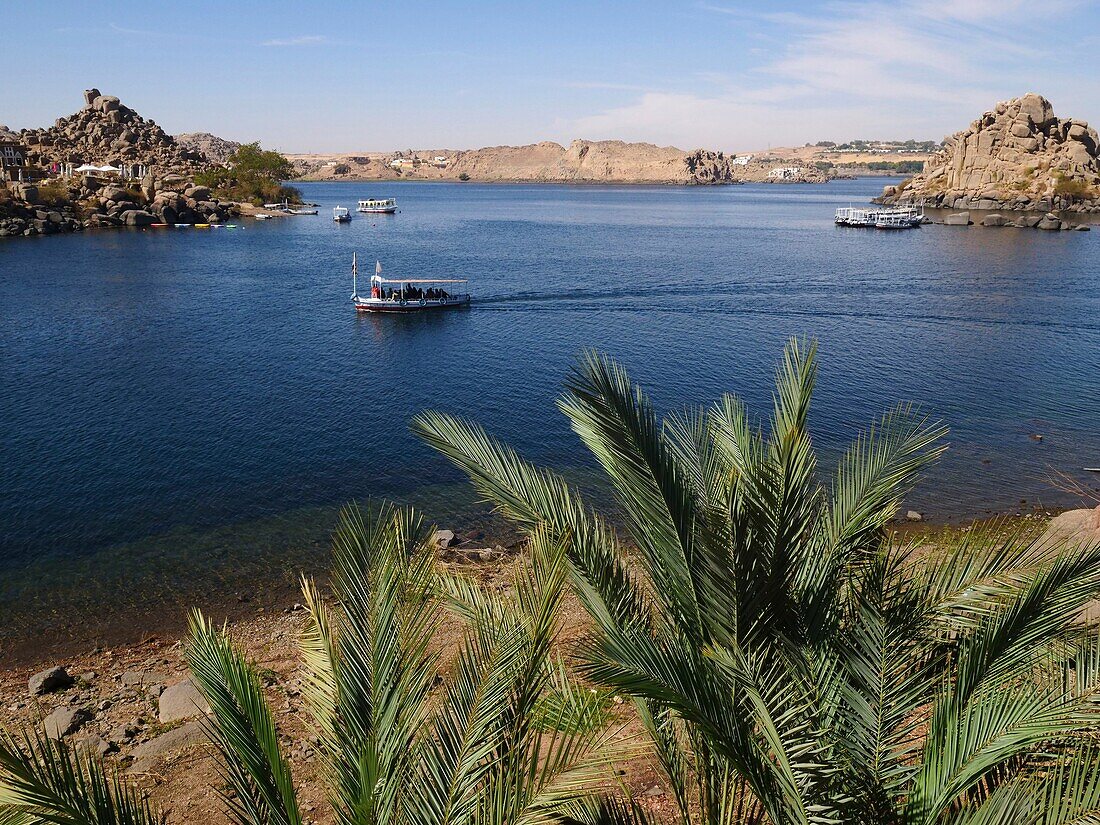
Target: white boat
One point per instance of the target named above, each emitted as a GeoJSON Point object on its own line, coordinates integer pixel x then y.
{"type": "Point", "coordinates": [302, 211]}
{"type": "Point", "coordinates": [341, 215]}
{"type": "Point", "coordinates": [260, 216]}
{"type": "Point", "coordinates": [902, 217]}
{"type": "Point", "coordinates": [378, 205]}
{"type": "Point", "coordinates": [409, 295]}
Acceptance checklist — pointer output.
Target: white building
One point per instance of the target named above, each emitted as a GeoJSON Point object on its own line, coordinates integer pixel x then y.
{"type": "Point", "coordinates": [741, 160]}
{"type": "Point", "coordinates": [785, 173]}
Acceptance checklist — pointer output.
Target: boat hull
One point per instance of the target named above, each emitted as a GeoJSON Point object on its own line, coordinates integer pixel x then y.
{"type": "Point", "coordinates": [385, 210]}
{"type": "Point", "coordinates": [378, 305]}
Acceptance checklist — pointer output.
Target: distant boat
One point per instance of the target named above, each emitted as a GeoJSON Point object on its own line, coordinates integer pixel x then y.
{"type": "Point", "coordinates": [302, 211]}
{"type": "Point", "coordinates": [412, 295]}
{"type": "Point", "coordinates": [341, 215]}
{"type": "Point", "coordinates": [260, 216]}
{"type": "Point", "coordinates": [378, 205]}
{"type": "Point", "coordinates": [899, 218]}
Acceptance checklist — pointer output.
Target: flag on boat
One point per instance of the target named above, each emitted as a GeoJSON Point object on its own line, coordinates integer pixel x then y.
{"type": "Point", "coordinates": [377, 267]}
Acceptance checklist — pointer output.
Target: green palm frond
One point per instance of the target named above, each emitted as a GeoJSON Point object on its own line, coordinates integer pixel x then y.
{"type": "Point", "coordinates": [43, 780]}
{"type": "Point", "coordinates": [243, 730]}
{"type": "Point", "coordinates": [381, 663]}
{"type": "Point", "coordinates": [619, 426]}
{"type": "Point", "coordinates": [533, 497]}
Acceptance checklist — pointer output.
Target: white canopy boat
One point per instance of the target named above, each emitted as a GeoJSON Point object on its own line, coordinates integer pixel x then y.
{"type": "Point", "coordinates": [340, 214]}
{"type": "Point", "coordinates": [409, 295]}
{"type": "Point", "coordinates": [378, 205]}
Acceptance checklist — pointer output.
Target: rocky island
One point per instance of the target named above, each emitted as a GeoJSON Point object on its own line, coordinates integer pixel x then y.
{"type": "Point", "coordinates": [1019, 156]}
{"type": "Point", "coordinates": [150, 179]}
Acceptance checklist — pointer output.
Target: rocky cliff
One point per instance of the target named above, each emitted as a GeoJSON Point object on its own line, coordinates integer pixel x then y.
{"type": "Point", "coordinates": [1017, 156]}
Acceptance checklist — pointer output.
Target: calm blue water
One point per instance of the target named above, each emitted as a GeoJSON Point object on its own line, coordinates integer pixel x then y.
{"type": "Point", "coordinates": [157, 380]}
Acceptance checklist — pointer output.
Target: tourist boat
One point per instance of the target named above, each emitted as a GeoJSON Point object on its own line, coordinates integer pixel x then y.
{"type": "Point", "coordinates": [340, 214]}
{"type": "Point", "coordinates": [904, 217]}
{"type": "Point", "coordinates": [380, 205]}
{"type": "Point", "coordinates": [412, 295]}
{"type": "Point", "coordinates": [897, 219]}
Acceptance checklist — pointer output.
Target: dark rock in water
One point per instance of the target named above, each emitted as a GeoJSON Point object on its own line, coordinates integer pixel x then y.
{"type": "Point", "coordinates": [137, 217]}
{"type": "Point", "coordinates": [1082, 227]}
{"type": "Point", "coordinates": [49, 680]}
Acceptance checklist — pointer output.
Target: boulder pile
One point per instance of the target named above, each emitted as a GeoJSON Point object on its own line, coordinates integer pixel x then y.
{"type": "Point", "coordinates": [1019, 156]}
{"type": "Point", "coordinates": [216, 149]}
{"type": "Point", "coordinates": [106, 132]}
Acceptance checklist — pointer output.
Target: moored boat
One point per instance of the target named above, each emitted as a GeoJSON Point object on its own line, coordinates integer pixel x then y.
{"type": "Point", "coordinates": [408, 295]}
{"type": "Point", "coordinates": [340, 214]}
{"type": "Point", "coordinates": [378, 205]}
{"type": "Point", "coordinates": [904, 217]}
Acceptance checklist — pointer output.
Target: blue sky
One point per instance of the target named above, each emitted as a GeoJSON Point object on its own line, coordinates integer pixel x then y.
{"type": "Point", "coordinates": [726, 74]}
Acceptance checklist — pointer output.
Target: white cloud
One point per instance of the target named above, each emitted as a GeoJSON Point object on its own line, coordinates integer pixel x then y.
{"type": "Point", "coordinates": [858, 68]}
{"type": "Point", "coordinates": [300, 40]}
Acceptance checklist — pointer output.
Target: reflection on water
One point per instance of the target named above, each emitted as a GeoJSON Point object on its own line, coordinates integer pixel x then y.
{"type": "Point", "coordinates": [168, 384]}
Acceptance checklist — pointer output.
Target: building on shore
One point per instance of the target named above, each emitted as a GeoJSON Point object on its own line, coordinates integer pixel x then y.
{"type": "Point", "coordinates": [785, 173]}
{"type": "Point", "coordinates": [13, 159]}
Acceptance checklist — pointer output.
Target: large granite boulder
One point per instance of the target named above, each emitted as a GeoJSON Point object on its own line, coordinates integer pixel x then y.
{"type": "Point", "coordinates": [1017, 156]}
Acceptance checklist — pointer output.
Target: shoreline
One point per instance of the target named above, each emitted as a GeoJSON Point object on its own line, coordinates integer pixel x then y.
{"type": "Point", "coordinates": [272, 589]}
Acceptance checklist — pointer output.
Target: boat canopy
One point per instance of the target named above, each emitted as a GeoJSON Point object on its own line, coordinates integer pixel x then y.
{"type": "Point", "coordinates": [381, 280]}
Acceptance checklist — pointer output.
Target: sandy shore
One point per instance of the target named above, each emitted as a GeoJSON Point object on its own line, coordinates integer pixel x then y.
{"type": "Point", "coordinates": [120, 691]}
{"type": "Point", "coordinates": [117, 692]}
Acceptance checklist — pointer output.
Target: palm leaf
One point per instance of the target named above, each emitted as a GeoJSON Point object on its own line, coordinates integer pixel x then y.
{"type": "Point", "coordinates": [242, 729]}
{"type": "Point", "coordinates": [43, 780]}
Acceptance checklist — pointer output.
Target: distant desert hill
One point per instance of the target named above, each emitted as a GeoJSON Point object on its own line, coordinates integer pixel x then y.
{"type": "Point", "coordinates": [583, 161]}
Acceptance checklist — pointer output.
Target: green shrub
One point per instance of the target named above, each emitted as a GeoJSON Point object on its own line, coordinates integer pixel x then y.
{"type": "Point", "coordinates": [254, 175]}
{"type": "Point", "coordinates": [53, 193]}
{"type": "Point", "coordinates": [463, 176]}
{"type": "Point", "coordinates": [902, 167]}
{"type": "Point", "coordinates": [1071, 188]}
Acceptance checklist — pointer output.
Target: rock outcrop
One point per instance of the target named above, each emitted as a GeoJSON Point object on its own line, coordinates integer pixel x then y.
{"type": "Point", "coordinates": [216, 149]}
{"type": "Point", "coordinates": [105, 131]}
{"type": "Point", "coordinates": [1018, 156]}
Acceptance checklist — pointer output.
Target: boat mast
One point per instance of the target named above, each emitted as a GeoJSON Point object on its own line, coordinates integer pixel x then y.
{"type": "Point", "coordinates": [354, 273]}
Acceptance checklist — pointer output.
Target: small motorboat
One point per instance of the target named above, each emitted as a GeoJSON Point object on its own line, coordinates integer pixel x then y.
{"type": "Point", "coordinates": [302, 211]}
{"type": "Point", "coordinates": [261, 216]}
{"type": "Point", "coordinates": [340, 214]}
{"type": "Point", "coordinates": [409, 295]}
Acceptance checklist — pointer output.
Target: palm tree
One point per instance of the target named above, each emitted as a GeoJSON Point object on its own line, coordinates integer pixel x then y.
{"type": "Point", "coordinates": [43, 780]}
{"type": "Point", "coordinates": [790, 660]}
{"type": "Point", "coordinates": [506, 739]}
